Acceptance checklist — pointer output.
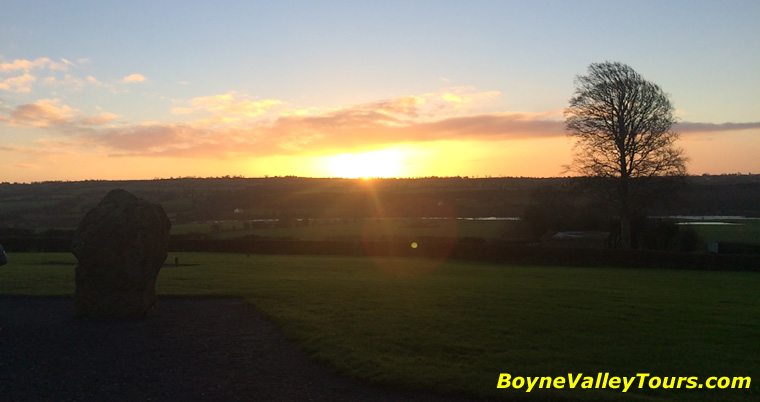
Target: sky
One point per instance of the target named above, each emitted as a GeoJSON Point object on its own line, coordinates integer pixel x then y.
{"type": "Point", "coordinates": [159, 89]}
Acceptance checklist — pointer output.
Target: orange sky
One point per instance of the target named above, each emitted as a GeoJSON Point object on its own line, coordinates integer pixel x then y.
{"type": "Point", "coordinates": [526, 157]}
{"type": "Point", "coordinates": [354, 89]}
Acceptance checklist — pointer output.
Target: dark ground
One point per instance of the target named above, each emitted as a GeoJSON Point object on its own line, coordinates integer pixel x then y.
{"type": "Point", "coordinates": [195, 349]}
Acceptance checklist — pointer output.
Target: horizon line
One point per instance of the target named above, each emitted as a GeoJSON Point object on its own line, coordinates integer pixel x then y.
{"type": "Point", "coordinates": [241, 177]}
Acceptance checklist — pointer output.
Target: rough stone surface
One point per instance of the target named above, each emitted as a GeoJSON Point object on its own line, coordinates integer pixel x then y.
{"type": "Point", "coordinates": [120, 245]}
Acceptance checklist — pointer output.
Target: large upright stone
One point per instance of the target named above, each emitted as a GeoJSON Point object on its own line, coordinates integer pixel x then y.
{"type": "Point", "coordinates": [120, 245]}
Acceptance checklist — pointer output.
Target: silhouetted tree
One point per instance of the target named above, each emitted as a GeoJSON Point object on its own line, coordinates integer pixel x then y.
{"type": "Point", "coordinates": [622, 124]}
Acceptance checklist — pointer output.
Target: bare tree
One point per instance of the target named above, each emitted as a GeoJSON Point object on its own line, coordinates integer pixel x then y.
{"type": "Point", "coordinates": [622, 124]}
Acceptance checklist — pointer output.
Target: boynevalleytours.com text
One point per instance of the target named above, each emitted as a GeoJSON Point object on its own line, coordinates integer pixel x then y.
{"type": "Point", "coordinates": [623, 383]}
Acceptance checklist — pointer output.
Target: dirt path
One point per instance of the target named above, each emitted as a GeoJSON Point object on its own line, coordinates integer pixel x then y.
{"type": "Point", "coordinates": [193, 350]}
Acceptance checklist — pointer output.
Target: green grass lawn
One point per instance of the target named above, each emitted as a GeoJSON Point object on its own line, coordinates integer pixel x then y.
{"type": "Point", "coordinates": [740, 231]}
{"type": "Point", "coordinates": [454, 326]}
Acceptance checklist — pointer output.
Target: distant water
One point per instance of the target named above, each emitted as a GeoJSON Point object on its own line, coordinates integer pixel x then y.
{"type": "Point", "coordinates": [481, 218]}
{"type": "Point", "coordinates": [708, 217]}
{"type": "Point", "coordinates": [485, 218]}
{"type": "Point", "coordinates": [706, 223]}
{"type": "Point", "coordinates": [708, 220]}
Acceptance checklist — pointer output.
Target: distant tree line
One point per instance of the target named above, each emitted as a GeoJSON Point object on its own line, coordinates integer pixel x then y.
{"type": "Point", "coordinates": [546, 205]}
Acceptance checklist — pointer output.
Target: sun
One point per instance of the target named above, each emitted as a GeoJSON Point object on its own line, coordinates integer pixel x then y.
{"type": "Point", "coordinates": [371, 164]}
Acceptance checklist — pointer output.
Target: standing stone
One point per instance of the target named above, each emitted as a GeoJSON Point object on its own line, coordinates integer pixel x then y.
{"type": "Point", "coordinates": [120, 245]}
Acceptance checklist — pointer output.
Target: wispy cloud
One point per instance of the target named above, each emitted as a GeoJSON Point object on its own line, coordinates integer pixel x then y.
{"type": "Point", "coordinates": [17, 75]}
{"type": "Point", "coordinates": [51, 113]}
{"type": "Point", "coordinates": [43, 113]}
{"type": "Point", "coordinates": [134, 78]}
{"type": "Point", "coordinates": [337, 131]}
{"type": "Point", "coordinates": [21, 75]}
{"type": "Point", "coordinates": [401, 120]}
{"type": "Point", "coordinates": [235, 124]}
{"type": "Point", "coordinates": [27, 65]}
{"type": "Point", "coordinates": [688, 127]}
{"type": "Point", "coordinates": [228, 104]}
{"type": "Point", "coordinates": [21, 83]}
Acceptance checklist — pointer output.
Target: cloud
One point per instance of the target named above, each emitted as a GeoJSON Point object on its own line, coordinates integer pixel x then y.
{"type": "Point", "coordinates": [50, 113]}
{"type": "Point", "coordinates": [451, 98]}
{"type": "Point", "coordinates": [28, 65]}
{"type": "Point", "coordinates": [464, 97]}
{"type": "Point", "coordinates": [688, 127]}
{"type": "Point", "coordinates": [21, 83]}
{"type": "Point", "coordinates": [234, 124]}
{"type": "Point", "coordinates": [147, 139]}
{"type": "Point", "coordinates": [237, 126]}
{"type": "Point", "coordinates": [494, 126]}
{"type": "Point", "coordinates": [404, 106]}
{"type": "Point", "coordinates": [19, 77]}
{"type": "Point", "coordinates": [227, 104]}
{"type": "Point", "coordinates": [134, 78]}
{"type": "Point", "coordinates": [98, 119]}
{"type": "Point", "coordinates": [68, 80]}
{"type": "Point", "coordinates": [43, 113]}
{"type": "Point", "coordinates": [344, 129]}
{"type": "Point", "coordinates": [350, 128]}
{"type": "Point", "coordinates": [347, 129]}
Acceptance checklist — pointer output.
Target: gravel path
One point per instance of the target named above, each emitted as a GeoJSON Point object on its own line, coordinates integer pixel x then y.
{"type": "Point", "coordinates": [195, 349]}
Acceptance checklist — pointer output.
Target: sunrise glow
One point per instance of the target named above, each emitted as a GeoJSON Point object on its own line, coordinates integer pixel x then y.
{"type": "Point", "coordinates": [354, 89]}
{"type": "Point", "coordinates": [364, 165]}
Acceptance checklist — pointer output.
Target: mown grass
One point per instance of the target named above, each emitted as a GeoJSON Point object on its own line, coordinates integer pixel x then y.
{"type": "Point", "coordinates": [740, 231]}
{"type": "Point", "coordinates": [453, 327]}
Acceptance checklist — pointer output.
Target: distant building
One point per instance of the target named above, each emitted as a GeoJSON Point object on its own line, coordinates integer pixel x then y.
{"type": "Point", "coordinates": [712, 247]}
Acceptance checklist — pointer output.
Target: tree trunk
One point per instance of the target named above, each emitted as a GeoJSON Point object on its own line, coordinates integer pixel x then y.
{"type": "Point", "coordinates": [625, 232]}
{"type": "Point", "coordinates": [625, 212]}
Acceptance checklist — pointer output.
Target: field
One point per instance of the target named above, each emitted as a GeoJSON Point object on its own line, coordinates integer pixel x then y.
{"type": "Point", "coordinates": [454, 326]}
{"type": "Point", "coordinates": [745, 231]}
{"type": "Point", "coordinates": [342, 229]}
{"type": "Point", "coordinates": [709, 229]}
